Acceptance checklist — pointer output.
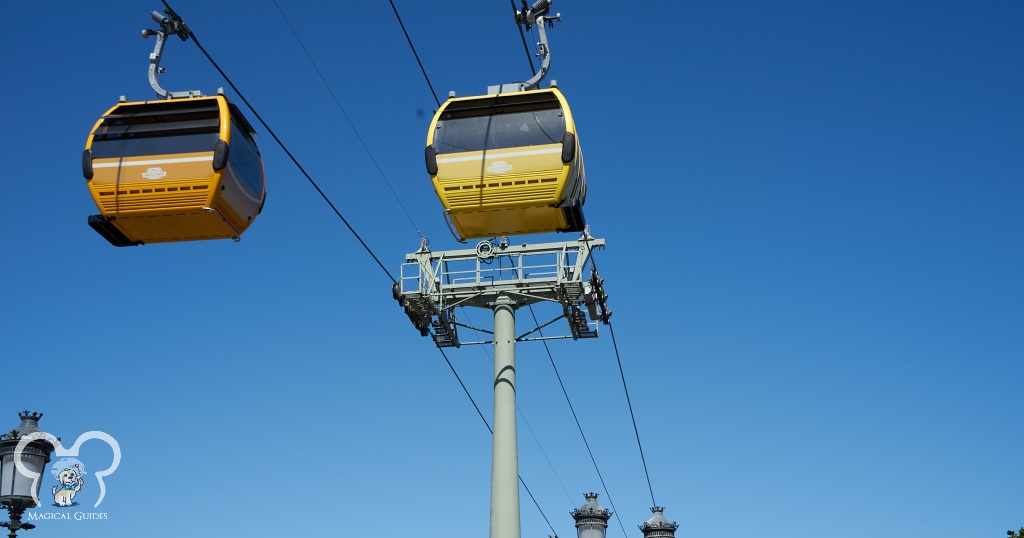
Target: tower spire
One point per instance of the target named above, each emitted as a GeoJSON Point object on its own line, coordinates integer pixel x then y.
{"type": "Point", "coordinates": [658, 526]}
{"type": "Point", "coordinates": [591, 518]}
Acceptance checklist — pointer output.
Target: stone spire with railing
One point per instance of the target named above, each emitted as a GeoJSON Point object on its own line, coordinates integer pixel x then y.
{"type": "Point", "coordinates": [658, 526]}
{"type": "Point", "coordinates": [591, 518]}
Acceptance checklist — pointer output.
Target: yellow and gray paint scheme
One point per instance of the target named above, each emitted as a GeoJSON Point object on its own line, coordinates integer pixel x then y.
{"type": "Point", "coordinates": [507, 164]}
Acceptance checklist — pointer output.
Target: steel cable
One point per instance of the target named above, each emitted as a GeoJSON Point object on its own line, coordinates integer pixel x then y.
{"type": "Point", "coordinates": [285, 149]}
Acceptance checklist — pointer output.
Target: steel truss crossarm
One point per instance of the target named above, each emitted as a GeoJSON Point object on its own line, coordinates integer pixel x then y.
{"type": "Point", "coordinates": [434, 284]}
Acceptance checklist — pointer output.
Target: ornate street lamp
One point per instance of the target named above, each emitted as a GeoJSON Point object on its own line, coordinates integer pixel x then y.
{"type": "Point", "coordinates": [19, 491]}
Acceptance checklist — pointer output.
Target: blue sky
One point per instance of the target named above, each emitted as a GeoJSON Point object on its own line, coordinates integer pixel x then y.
{"type": "Point", "coordinates": [813, 216]}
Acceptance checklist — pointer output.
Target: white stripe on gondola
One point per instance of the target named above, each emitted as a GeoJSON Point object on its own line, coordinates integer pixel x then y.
{"type": "Point", "coordinates": [499, 155]}
{"type": "Point", "coordinates": [152, 162]}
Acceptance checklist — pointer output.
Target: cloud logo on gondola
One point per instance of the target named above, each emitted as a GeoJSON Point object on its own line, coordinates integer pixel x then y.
{"type": "Point", "coordinates": [154, 173]}
{"type": "Point", "coordinates": [499, 167]}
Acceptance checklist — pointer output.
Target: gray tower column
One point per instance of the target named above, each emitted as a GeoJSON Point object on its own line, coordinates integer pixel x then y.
{"type": "Point", "coordinates": [504, 452]}
{"type": "Point", "coordinates": [434, 284]}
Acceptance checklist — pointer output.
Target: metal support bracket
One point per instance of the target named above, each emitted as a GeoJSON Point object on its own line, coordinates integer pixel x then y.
{"type": "Point", "coordinates": [433, 284]}
{"type": "Point", "coordinates": [537, 14]}
{"type": "Point", "coordinates": [171, 24]}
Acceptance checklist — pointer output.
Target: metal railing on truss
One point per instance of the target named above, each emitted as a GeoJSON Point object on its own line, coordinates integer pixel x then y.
{"type": "Point", "coordinates": [433, 284]}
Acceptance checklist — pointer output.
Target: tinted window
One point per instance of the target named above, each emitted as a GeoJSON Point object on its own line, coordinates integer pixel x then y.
{"type": "Point", "coordinates": [494, 130]}
{"type": "Point", "coordinates": [149, 145]}
{"type": "Point", "coordinates": [245, 158]}
{"type": "Point", "coordinates": [157, 129]}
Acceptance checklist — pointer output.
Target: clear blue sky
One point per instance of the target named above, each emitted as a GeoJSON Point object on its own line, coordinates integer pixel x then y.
{"type": "Point", "coordinates": [814, 224]}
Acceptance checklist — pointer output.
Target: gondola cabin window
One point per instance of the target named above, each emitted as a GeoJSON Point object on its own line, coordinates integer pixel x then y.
{"type": "Point", "coordinates": [245, 158]}
{"type": "Point", "coordinates": [173, 129]}
{"type": "Point", "coordinates": [498, 128]}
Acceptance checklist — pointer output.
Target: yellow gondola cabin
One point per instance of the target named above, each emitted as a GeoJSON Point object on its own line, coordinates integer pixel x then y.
{"type": "Point", "coordinates": [173, 170]}
{"type": "Point", "coordinates": [507, 164]}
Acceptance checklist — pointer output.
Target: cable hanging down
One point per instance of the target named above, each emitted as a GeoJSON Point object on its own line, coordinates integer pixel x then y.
{"type": "Point", "coordinates": [407, 38]}
{"type": "Point", "coordinates": [347, 118]}
{"type": "Point", "coordinates": [488, 426]}
{"type": "Point", "coordinates": [579, 426]}
{"type": "Point", "coordinates": [526, 48]}
{"type": "Point", "coordinates": [188, 33]}
{"type": "Point", "coordinates": [605, 317]}
{"type": "Point", "coordinates": [625, 389]}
